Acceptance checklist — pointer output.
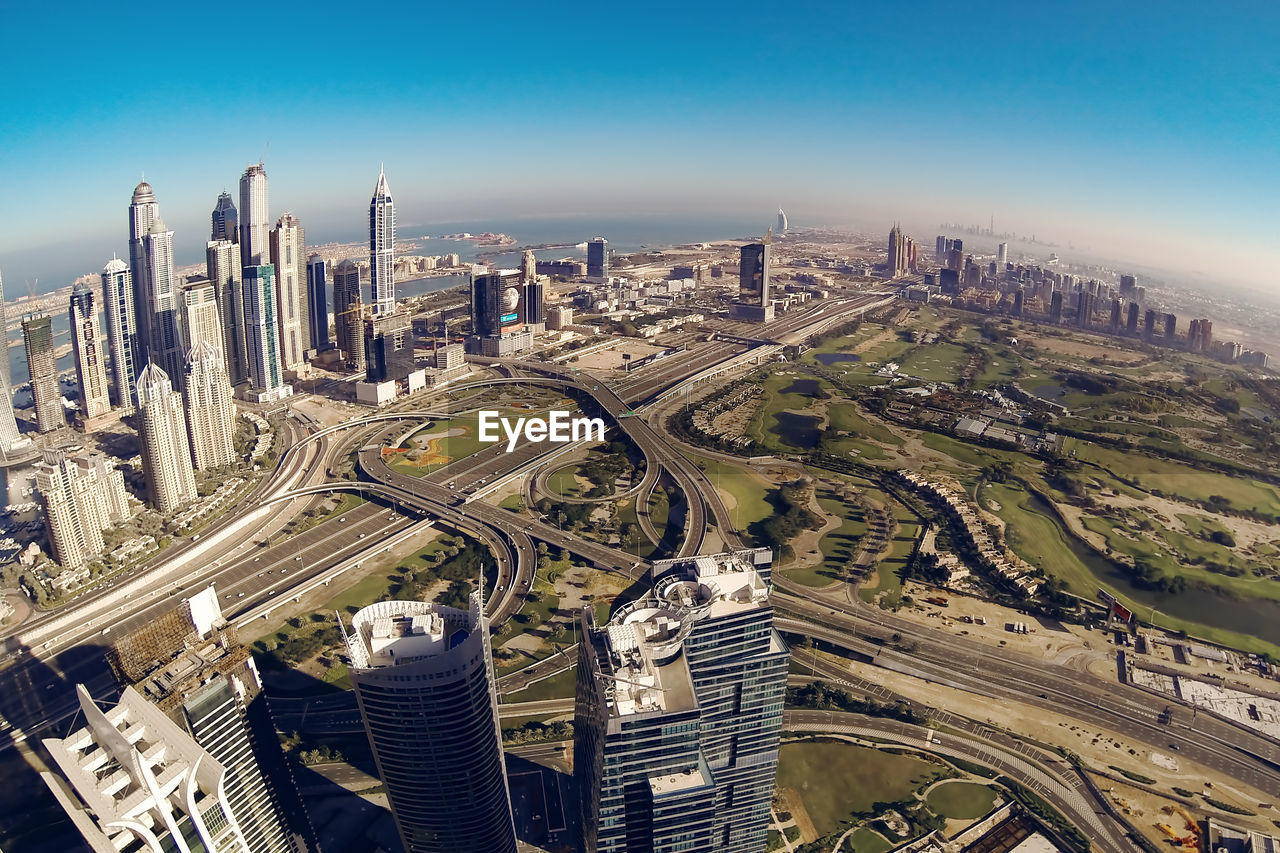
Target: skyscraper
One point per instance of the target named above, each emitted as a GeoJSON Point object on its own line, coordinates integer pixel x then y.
{"type": "Point", "coordinates": [679, 712]}
{"type": "Point", "coordinates": [166, 452]}
{"type": "Point", "coordinates": [91, 355]}
{"type": "Point", "coordinates": [753, 272]}
{"type": "Point", "coordinates": [528, 266]}
{"type": "Point", "coordinates": [1084, 309]}
{"type": "Point", "coordinates": [262, 344]}
{"type": "Point", "coordinates": [423, 676]}
{"type": "Point", "coordinates": [1002, 258]}
{"type": "Point", "coordinates": [318, 303]}
{"type": "Point", "coordinates": [1131, 326]}
{"type": "Point", "coordinates": [388, 347]}
{"type": "Point", "coordinates": [898, 261]}
{"type": "Point", "coordinates": [254, 221]}
{"type": "Point", "coordinates": [131, 779]}
{"type": "Point", "coordinates": [82, 498]}
{"type": "Point", "coordinates": [498, 313]}
{"type": "Point", "coordinates": [535, 308]}
{"type": "Point", "coordinates": [382, 248]}
{"type": "Point", "coordinates": [1055, 307]}
{"type": "Point", "coordinates": [200, 316]}
{"type": "Point", "coordinates": [42, 363]}
{"type": "Point", "coordinates": [10, 438]}
{"type": "Point", "coordinates": [143, 212]}
{"type": "Point", "coordinates": [598, 259]}
{"type": "Point", "coordinates": [288, 256]}
{"type": "Point", "coordinates": [165, 342]}
{"type": "Point", "coordinates": [122, 330]}
{"type": "Point", "coordinates": [782, 223]}
{"type": "Point", "coordinates": [211, 415]}
{"type": "Point", "coordinates": [348, 314]}
{"type": "Point", "coordinates": [222, 266]}
{"type": "Point", "coordinates": [190, 664]}
{"type": "Point", "coordinates": [225, 219]}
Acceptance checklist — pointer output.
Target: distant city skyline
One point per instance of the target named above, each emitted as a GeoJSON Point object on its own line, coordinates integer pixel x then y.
{"type": "Point", "coordinates": [1145, 138]}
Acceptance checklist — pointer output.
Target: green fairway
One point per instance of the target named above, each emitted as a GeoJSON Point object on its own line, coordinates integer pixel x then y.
{"type": "Point", "coordinates": [744, 492]}
{"type": "Point", "coordinates": [940, 362]}
{"type": "Point", "coordinates": [836, 780]}
{"type": "Point", "coordinates": [961, 800]}
{"type": "Point", "coordinates": [1182, 481]}
{"type": "Point", "coordinates": [838, 546]}
{"type": "Point", "coordinates": [866, 840]}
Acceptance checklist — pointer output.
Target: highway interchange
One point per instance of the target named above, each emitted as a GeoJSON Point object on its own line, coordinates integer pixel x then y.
{"type": "Point", "coordinates": [54, 650]}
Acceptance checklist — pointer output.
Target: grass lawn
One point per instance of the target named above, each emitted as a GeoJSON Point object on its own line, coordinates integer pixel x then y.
{"type": "Point", "coordinates": [837, 779]}
{"type": "Point", "coordinates": [961, 800]}
{"type": "Point", "coordinates": [562, 685]}
{"type": "Point", "coordinates": [845, 416]}
{"type": "Point", "coordinates": [838, 546]}
{"type": "Point", "coordinates": [743, 491]}
{"type": "Point", "coordinates": [564, 482]}
{"type": "Point", "coordinates": [440, 448]}
{"type": "Point", "coordinates": [866, 840]}
{"type": "Point", "coordinates": [940, 362]}
{"type": "Point", "coordinates": [515, 503]}
{"type": "Point", "coordinates": [1183, 481]}
{"type": "Point", "coordinates": [969, 454]}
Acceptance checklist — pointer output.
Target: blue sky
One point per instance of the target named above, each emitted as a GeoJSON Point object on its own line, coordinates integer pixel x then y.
{"type": "Point", "coordinates": [1147, 131]}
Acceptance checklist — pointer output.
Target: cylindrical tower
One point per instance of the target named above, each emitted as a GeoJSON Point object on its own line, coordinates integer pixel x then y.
{"type": "Point", "coordinates": [423, 675]}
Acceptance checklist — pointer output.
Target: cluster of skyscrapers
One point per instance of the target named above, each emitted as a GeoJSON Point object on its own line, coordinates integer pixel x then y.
{"type": "Point", "coordinates": [679, 711]}
{"type": "Point", "coordinates": [177, 351]}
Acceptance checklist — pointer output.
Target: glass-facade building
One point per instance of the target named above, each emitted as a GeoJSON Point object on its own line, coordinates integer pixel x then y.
{"type": "Point", "coordinates": [423, 676]}
{"type": "Point", "coordinates": [679, 711]}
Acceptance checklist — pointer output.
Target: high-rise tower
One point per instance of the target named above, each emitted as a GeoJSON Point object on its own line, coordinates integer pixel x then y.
{"type": "Point", "coordinates": [131, 779]}
{"type": "Point", "coordinates": [10, 438]}
{"type": "Point", "coordinates": [262, 342]}
{"type": "Point", "coordinates": [222, 266]}
{"type": "Point", "coordinates": [122, 330]}
{"type": "Point", "coordinates": [211, 415]}
{"type": "Point", "coordinates": [166, 453]}
{"type": "Point", "coordinates": [679, 712]}
{"type": "Point", "coordinates": [165, 343]}
{"type": "Point", "coordinates": [382, 247]}
{"type": "Point", "coordinates": [254, 221]}
{"type": "Point", "coordinates": [82, 497]}
{"type": "Point", "coordinates": [42, 363]}
{"type": "Point", "coordinates": [201, 320]}
{"type": "Point", "coordinates": [288, 256]}
{"type": "Point", "coordinates": [91, 355]}
{"type": "Point", "coordinates": [598, 259]}
{"type": "Point", "coordinates": [348, 311]}
{"type": "Point", "coordinates": [423, 675]}
{"type": "Point", "coordinates": [225, 219]}
{"type": "Point", "coordinates": [318, 303]}
{"type": "Point", "coordinates": [143, 212]}
{"type": "Point", "coordinates": [189, 663]}
{"type": "Point", "coordinates": [782, 223]}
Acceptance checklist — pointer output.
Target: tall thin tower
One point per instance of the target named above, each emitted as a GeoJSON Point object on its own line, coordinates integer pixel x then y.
{"type": "Point", "coordinates": [143, 211]}
{"type": "Point", "coordinates": [382, 247]}
{"type": "Point", "coordinates": [289, 258]}
{"type": "Point", "coordinates": [91, 355]}
{"type": "Point", "coordinates": [211, 415]}
{"type": "Point", "coordinates": [225, 219]}
{"type": "Point", "coordinates": [222, 266]}
{"type": "Point", "coordinates": [122, 330]}
{"type": "Point", "coordinates": [254, 222]}
{"type": "Point", "coordinates": [166, 453]}
{"type": "Point", "coordinates": [42, 363]}
{"type": "Point", "coordinates": [9, 436]}
{"type": "Point", "coordinates": [165, 344]}
{"type": "Point", "coordinates": [261, 335]}
{"type": "Point", "coordinates": [423, 675]}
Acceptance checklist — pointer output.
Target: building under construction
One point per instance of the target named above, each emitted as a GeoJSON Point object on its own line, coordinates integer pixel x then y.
{"type": "Point", "coordinates": [190, 664]}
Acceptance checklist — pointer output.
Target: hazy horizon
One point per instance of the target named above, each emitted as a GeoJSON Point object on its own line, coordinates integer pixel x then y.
{"type": "Point", "coordinates": [1144, 139]}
